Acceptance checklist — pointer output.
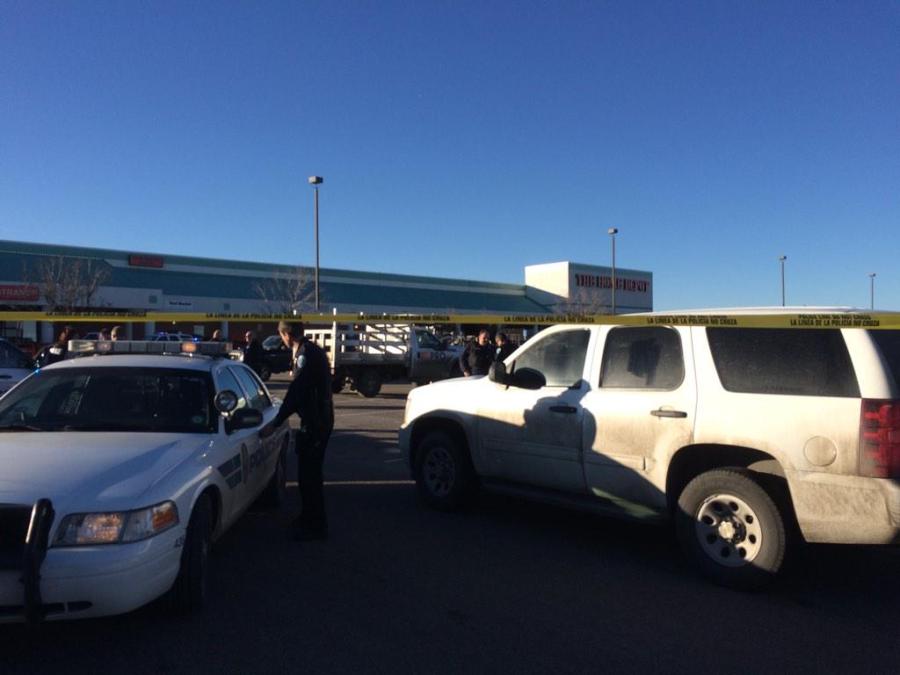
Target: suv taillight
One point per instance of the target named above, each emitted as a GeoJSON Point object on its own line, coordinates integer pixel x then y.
{"type": "Point", "coordinates": [879, 439]}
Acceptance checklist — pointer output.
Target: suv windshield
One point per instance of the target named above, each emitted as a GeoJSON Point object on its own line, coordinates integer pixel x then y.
{"type": "Point", "coordinates": [111, 399]}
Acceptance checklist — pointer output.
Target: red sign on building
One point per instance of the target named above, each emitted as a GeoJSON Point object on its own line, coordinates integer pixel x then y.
{"type": "Point", "coordinates": [19, 293]}
{"type": "Point", "coordinates": [139, 260]}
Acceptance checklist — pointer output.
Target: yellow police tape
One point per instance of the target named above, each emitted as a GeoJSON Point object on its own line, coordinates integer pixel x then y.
{"type": "Point", "coordinates": [881, 320]}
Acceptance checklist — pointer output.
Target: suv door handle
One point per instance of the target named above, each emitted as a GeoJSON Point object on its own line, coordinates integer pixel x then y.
{"type": "Point", "coordinates": [567, 409]}
{"type": "Point", "coordinates": [668, 413]}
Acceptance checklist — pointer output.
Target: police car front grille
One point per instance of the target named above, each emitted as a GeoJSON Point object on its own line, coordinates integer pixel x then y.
{"type": "Point", "coordinates": [13, 529]}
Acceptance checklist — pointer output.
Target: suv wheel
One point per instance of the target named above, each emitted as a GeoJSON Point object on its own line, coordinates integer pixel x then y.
{"type": "Point", "coordinates": [731, 528]}
{"type": "Point", "coordinates": [443, 471]}
{"type": "Point", "coordinates": [264, 373]}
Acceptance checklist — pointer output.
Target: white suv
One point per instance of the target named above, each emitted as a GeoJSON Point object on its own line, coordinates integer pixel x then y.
{"type": "Point", "coordinates": [745, 437]}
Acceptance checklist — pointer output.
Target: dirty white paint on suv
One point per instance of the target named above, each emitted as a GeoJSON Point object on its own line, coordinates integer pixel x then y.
{"type": "Point", "coordinates": [746, 438]}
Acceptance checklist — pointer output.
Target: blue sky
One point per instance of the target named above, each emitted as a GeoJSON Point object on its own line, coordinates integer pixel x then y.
{"type": "Point", "coordinates": [468, 139]}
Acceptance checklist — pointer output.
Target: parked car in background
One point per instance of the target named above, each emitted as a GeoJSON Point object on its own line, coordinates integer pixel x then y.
{"type": "Point", "coordinates": [276, 358]}
{"type": "Point", "coordinates": [27, 345]}
{"type": "Point", "coordinates": [15, 365]}
{"type": "Point", "coordinates": [172, 337]}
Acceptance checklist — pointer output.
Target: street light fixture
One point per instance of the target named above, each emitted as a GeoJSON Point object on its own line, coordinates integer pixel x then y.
{"type": "Point", "coordinates": [781, 259]}
{"type": "Point", "coordinates": [871, 290]}
{"type": "Point", "coordinates": [612, 232]}
{"type": "Point", "coordinates": [316, 181]}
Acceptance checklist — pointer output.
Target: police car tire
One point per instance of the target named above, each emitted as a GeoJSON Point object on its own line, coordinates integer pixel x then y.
{"type": "Point", "coordinates": [276, 491]}
{"type": "Point", "coordinates": [188, 594]}
{"type": "Point", "coordinates": [440, 453]}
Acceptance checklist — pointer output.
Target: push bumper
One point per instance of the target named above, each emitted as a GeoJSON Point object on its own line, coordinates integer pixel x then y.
{"type": "Point", "coordinates": [88, 581]}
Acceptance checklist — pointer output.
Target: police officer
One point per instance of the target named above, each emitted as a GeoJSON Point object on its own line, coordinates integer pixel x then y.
{"type": "Point", "coordinates": [253, 351]}
{"type": "Point", "coordinates": [478, 356]}
{"type": "Point", "coordinates": [309, 395]}
{"type": "Point", "coordinates": [504, 347]}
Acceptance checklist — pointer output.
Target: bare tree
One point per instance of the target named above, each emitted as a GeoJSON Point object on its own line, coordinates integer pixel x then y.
{"type": "Point", "coordinates": [286, 291]}
{"type": "Point", "coordinates": [584, 302]}
{"type": "Point", "coordinates": [69, 283]}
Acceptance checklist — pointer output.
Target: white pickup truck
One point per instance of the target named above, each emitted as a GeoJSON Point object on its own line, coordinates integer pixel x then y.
{"type": "Point", "coordinates": [367, 356]}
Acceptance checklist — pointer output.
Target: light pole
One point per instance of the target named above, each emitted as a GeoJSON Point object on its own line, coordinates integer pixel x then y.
{"type": "Point", "coordinates": [316, 181]}
{"type": "Point", "coordinates": [612, 232]}
{"type": "Point", "coordinates": [871, 290]}
{"type": "Point", "coordinates": [781, 259]}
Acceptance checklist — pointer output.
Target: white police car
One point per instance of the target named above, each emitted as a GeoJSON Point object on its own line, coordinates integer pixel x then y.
{"type": "Point", "coordinates": [117, 471]}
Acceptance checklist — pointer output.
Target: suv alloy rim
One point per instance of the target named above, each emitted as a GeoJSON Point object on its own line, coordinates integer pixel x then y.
{"type": "Point", "coordinates": [439, 471]}
{"type": "Point", "coordinates": [728, 530]}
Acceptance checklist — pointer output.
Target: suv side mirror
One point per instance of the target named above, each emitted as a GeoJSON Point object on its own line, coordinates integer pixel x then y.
{"type": "Point", "coordinates": [497, 373]}
{"type": "Point", "coordinates": [244, 418]}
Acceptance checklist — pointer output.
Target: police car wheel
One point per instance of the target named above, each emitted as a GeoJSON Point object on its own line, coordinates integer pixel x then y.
{"type": "Point", "coordinates": [188, 594]}
{"type": "Point", "coordinates": [444, 474]}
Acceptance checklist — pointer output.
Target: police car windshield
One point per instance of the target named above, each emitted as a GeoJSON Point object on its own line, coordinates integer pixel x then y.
{"type": "Point", "coordinates": [111, 399]}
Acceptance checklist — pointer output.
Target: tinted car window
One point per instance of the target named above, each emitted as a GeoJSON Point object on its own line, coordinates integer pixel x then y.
{"type": "Point", "coordinates": [888, 342]}
{"type": "Point", "coordinates": [558, 357]}
{"type": "Point", "coordinates": [808, 362]}
{"type": "Point", "coordinates": [642, 358]}
{"type": "Point", "coordinates": [257, 393]}
{"type": "Point", "coordinates": [228, 382]}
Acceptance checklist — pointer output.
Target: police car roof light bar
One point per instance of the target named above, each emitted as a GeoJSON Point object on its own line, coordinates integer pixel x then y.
{"type": "Point", "coordinates": [86, 347]}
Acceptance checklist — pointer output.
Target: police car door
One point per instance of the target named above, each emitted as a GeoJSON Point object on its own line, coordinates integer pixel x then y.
{"type": "Point", "coordinates": [534, 436]}
{"type": "Point", "coordinates": [261, 460]}
{"type": "Point", "coordinates": [235, 467]}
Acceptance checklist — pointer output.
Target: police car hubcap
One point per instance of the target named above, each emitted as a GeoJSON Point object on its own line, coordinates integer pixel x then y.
{"type": "Point", "coordinates": [439, 471]}
{"type": "Point", "coordinates": [728, 530]}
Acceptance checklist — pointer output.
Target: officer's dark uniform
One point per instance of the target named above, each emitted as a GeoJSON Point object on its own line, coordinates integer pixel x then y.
{"type": "Point", "coordinates": [477, 359]}
{"type": "Point", "coordinates": [504, 350]}
{"type": "Point", "coordinates": [254, 354]}
{"type": "Point", "coordinates": [309, 395]}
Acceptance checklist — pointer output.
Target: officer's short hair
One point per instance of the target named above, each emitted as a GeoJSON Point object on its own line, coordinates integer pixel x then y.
{"type": "Point", "coordinates": [292, 328]}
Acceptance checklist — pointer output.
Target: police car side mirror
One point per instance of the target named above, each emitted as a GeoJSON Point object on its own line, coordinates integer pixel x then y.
{"type": "Point", "coordinates": [245, 418]}
{"type": "Point", "coordinates": [226, 401]}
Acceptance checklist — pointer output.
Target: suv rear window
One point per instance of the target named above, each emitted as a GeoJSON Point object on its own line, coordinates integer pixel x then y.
{"type": "Point", "coordinates": [888, 342]}
{"type": "Point", "coordinates": [798, 362]}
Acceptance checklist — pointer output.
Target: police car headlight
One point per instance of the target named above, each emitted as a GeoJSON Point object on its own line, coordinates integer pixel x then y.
{"type": "Point", "coordinates": [84, 529]}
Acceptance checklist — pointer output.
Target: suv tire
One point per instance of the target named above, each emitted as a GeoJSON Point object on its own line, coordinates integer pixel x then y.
{"type": "Point", "coordinates": [264, 372]}
{"type": "Point", "coordinates": [731, 529]}
{"type": "Point", "coordinates": [444, 474]}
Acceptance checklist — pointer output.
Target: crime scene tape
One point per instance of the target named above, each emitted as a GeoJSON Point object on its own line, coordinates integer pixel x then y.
{"type": "Point", "coordinates": [801, 320]}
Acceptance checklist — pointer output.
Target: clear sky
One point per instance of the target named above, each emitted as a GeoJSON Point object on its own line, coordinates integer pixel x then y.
{"type": "Point", "coordinates": [468, 139]}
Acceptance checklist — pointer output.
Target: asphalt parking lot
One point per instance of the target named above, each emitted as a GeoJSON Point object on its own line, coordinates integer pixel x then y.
{"type": "Point", "coordinates": [507, 587]}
